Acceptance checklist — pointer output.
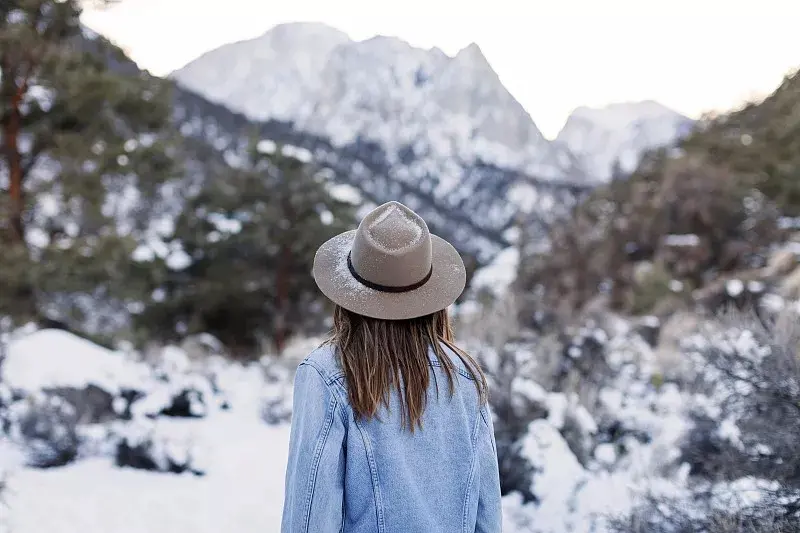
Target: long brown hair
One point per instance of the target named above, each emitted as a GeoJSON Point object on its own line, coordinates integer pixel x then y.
{"type": "Point", "coordinates": [380, 355]}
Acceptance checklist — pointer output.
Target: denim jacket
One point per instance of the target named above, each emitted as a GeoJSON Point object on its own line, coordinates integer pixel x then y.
{"type": "Point", "coordinates": [349, 476]}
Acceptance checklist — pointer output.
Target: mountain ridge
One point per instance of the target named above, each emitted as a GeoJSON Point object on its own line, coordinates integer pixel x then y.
{"type": "Point", "coordinates": [381, 89]}
{"type": "Point", "coordinates": [619, 134]}
{"type": "Point", "coordinates": [447, 111]}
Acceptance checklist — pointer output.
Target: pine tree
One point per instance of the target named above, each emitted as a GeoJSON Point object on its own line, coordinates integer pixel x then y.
{"type": "Point", "coordinates": [83, 155]}
{"type": "Point", "coordinates": [251, 234]}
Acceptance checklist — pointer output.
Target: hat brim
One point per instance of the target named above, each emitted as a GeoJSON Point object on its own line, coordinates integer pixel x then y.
{"type": "Point", "coordinates": [334, 279]}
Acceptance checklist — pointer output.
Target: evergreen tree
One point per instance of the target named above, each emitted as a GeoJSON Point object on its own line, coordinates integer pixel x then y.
{"type": "Point", "coordinates": [83, 155]}
{"type": "Point", "coordinates": [761, 143]}
{"type": "Point", "coordinates": [251, 235]}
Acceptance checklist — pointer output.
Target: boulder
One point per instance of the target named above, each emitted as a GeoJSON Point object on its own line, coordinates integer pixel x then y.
{"type": "Point", "coordinates": [92, 404]}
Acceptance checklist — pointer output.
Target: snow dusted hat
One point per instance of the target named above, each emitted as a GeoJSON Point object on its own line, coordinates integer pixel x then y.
{"type": "Point", "coordinates": [391, 267]}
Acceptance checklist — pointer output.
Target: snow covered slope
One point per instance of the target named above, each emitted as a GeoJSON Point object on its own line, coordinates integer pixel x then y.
{"type": "Point", "coordinates": [432, 113]}
{"type": "Point", "coordinates": [280, 70]}
{"type": "Point", "coordinates": [619, 132]}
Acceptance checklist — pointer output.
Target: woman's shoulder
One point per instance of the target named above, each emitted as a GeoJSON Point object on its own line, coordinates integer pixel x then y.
{"type": "Point", "coordinates": [458, 363]}
{"type": "Point", "coordinates": [324, 360]}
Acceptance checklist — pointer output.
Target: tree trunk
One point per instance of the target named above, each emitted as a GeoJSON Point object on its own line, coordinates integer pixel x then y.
{"type": "Point", "coordinates": [20, 297]}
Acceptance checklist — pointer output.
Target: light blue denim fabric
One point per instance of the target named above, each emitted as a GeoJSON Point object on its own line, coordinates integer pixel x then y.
{"type": "Point", "coordinates": [348, 476]}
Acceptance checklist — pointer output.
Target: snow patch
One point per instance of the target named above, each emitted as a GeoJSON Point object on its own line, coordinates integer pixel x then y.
{"type": "Point", "coordinates": [50, 358]}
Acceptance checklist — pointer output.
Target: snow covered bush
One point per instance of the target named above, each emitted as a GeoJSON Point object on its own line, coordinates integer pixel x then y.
{"type": "Point", "coordinates": [583, 359]}
{"type": "Point", "coordinates": [276, 401]}
{"type": "Point", "coordinates": [513, 411]}
{"type": "Point", "coordinates": [275, 410]}
{"type": "Point", "coordinates": [582, 422]}
{"type": "Point", "coordinates": [176, 389]}
{"type": "Point", "coordinates": [693, 516]}
{"type": "Point", "coordinates": [515, 372]}
{"type": "Point", "coordinates": [739, 446]}
{"type": "Point", "coordinates": [142, 447]}
{"type": "Point", "coordinates": [46, 426]}
{"type": "Point", "coordinates": [752, 371]}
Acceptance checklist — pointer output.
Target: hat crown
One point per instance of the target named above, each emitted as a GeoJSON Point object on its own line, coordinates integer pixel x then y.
{"type": "Point", "coordinates": [392, 247]}
{"type": "Point", "coordinates": [394, 229]}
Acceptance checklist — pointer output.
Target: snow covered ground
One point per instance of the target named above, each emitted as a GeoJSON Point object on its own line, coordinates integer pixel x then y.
{"type": "Point", "coordinates": [242, 456]}
{"type": "Point", "coordinates": [226, 425]}
{"type": "Point", "coordinates": [242, 491]}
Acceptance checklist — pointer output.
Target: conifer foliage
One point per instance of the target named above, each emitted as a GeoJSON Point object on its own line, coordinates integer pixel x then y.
{"type": "Point", "coordinates": [251, 235]}
{"type": "Point", "coordinates": [83, 156]}
{"type": "Point", "coordinates": [116, 222]}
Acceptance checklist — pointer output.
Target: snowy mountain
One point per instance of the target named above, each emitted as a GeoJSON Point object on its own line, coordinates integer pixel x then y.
{"type": "Point", "coordinates": [432, 114]}
{"type": "Point", "coordinates": [619, 132]}
{"type": "Point", "coordinates": [440, 134]}
{"type": "Point", "coordinates": [280, 72]}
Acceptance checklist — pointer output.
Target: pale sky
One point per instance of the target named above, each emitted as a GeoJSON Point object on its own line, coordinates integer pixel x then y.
{"type": "Point", "coordinates": [553, 55]}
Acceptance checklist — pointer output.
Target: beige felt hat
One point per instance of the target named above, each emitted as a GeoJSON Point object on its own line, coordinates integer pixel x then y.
{"type": "Point", "coordinates": [391, 267]}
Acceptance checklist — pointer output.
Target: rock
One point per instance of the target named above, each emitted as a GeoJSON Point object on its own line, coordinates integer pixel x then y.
{"type": "Point", "coordinates": [92, 404]}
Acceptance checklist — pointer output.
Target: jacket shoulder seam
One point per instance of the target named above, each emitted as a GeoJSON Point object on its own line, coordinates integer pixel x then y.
{"type": "Point", "coordinates": [461, 371]}
{"type": "Point", "coordinates": [328, 376]}
{"type": "Point", "coordinates": [329, 381]}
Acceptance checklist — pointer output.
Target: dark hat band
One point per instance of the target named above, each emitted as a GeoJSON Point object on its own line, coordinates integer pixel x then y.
{"type": "Point", "coordinates": [387, 288]}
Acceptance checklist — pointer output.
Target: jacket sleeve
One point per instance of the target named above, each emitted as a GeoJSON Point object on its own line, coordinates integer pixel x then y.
{"type": "Point", "coordinates": [315, 470]}
{"type": "Point", "coordinates": [490, 513]}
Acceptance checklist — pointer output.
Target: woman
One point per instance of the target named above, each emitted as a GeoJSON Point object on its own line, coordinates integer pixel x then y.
{"type": "Point", "coordinates": [391, 432]}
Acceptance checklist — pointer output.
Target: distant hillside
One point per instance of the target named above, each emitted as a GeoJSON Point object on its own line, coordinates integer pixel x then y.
{"type": "Point", "coordinates": [686, 219]}
{"type": "Point", "coordinates": [761, 141]}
